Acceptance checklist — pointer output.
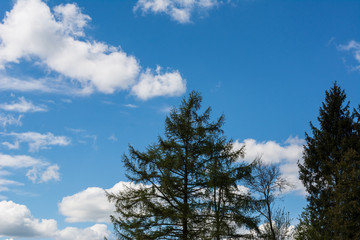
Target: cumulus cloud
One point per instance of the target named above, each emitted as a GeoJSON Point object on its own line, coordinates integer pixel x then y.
{"type": "Point", "coordinates": [36, 141]}
{"type": "Point", "coordinates": [157, 84]}
{"type": "Point", "coordinates": [285, 154]}
{"type": "Point", "coordinates": [31, 30]}
{"type": "Point", "coordinates": [56, 40]}
{"type": "Point", "coordinates": [271, 151]}
{"type": "Point", "coordinates": [95, 232]}
{"type": "Point", "coordinates": [90, 205]}
{"type": "Point", "coordinates": [178, 10]}
{"type": "Point", "coordinates": [16, 221]}
{"type": "Point", "coordinates": [22, 106]}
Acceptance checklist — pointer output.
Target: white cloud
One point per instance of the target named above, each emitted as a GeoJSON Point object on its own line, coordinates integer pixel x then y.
{"type": "Point", "coordinates": [7, 119]}
{"type": "Point", "coordinates": [353, 47]}
{"type": "Point", "coordinates": [36, 141]}
{"type": "Point", "coordinates": [46, 85]}
{"type": "Point", "coordinates": [113, 138]}
{"type": "Point", "coordinates": [39, 171]}
{"type": "Point", "coordinates": [14, 145]}
{"type": "Point", "coordinates": [19, 161]}
{"type": "Point", "coordinates": [56, 40]}
{"type": "Point", "coordinates": [72, 19]}
{"type": "Point", "coordinates": [131, 106]}
{"type": "Point", "coordinates": [22, 106]}
{"type": "Point", "coordinates": [153, 85]}
{"type": "Point", "coordinates": [39, 175]}
{"type": "Point", "coordinates": [30, 30]}
{"type": "Point", "coordinates": [271, 152]}
{"type": "Point", "coordinates": [5, 182]}
{"type": "Point", "coordinates": [16, 221]}
{"type": "Point", "coordinates": [51, 173]}
{"type": "Point", "coordinates": [95, 232]}
{"type": "Point", "coordinates": [178, 10]}
{"type": "Point", "coordinates": [11, 83]}
{"type": "Point", "coordinates": [90, 205]}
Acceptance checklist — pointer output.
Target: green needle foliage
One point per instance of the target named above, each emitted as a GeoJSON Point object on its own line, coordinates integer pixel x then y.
{"type": "Point", "coordinates": [331, 171]}
{"type": "Point", "coordinates": [228, 206]}
{"type": "Point", "coordinates": [186, 183]}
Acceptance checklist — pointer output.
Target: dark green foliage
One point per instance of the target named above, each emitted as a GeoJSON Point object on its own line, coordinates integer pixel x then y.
{"type": "Point", "coordinates": [186, 182]}
{"type": "Point", "coordinates": [304, 230]}
{"type": "Point", "coordinates": [228, 208]}
{"type": "Point", "coordinates": [330, 171]}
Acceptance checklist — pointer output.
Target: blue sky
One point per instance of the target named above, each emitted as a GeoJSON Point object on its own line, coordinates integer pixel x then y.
{"type": "Point", "coordinates": [81, 80]}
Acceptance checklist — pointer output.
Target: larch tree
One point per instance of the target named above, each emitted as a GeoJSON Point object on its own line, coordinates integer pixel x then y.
{"type": "Point", "coordinates": [186, 182]}
{"type": "Point", "coordinates": [229, 205]}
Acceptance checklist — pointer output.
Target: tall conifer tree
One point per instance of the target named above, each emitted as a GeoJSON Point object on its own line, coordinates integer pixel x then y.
{"type": "Point", "coordinates": [177, 178]}
{"type": "Point", "coordinates": [330, 171]}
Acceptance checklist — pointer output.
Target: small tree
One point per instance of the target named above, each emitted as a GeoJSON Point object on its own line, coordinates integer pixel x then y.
{"type": "Point", "coordinates": [267, 183]}
{"type": "Point", "coordinates": [186, 182]}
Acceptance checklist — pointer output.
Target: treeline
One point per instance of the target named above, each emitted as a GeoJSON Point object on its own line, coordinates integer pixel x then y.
{"type": "Point", "coordinates": [191, 183]}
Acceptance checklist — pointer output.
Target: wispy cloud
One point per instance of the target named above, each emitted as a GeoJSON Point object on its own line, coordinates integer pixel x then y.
{"type": "Point", "coordinates": [131, 105]}
{"type": "Point", "coordinates": [8, 119]}
{"type": "Point", "coordinates": [22, 106]}
{"type": "Point", "coordinates": [353, 47]}
{"type": "Point", "coordinates": [113, 138]}
{"type": "Point", "coordinates": [39, 171]}
{"type": "Point", "coordinates": [36, 141]}
{"type": "Point", "coordinates": [179, 10]}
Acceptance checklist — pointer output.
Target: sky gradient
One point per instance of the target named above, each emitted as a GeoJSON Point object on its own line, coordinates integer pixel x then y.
{"type": "Point", "coordinates": [81, 80]}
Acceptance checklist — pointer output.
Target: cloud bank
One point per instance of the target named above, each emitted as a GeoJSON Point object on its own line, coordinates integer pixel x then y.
{"type": "Point", "coordinates": [56, 41]}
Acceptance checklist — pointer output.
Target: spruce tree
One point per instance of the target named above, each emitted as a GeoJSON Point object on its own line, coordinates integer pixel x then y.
{"type": "Point", "coordinates": [345, 215]}
{"type": "Point", "coordinates": [186, 182]}
{"type": "Point", "coordinates": [330, 171]}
